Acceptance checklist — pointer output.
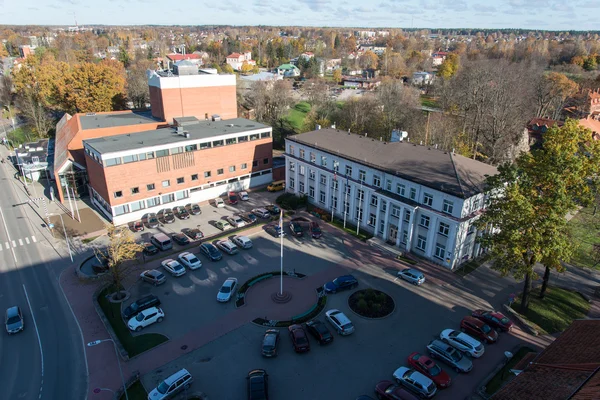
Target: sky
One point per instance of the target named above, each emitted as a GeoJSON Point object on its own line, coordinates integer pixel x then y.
{"type": "Point", "coordinates": [491, 14]}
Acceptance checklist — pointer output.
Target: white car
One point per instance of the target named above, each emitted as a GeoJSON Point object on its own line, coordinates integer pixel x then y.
{"type": "Point", "coordinates": [261, 212]}
{"type": "Point", "coordinates": [173, 267]}
{"type": "Point", "coordinates": [236, 221]}
{"type": "Point", "coordinates": [340, 322]}
{"type": "Point", "coordinates": [190, 260]}
{"type": "Point", "coordinates": [145, 318]}
{"type": "Point", "coordinates": [242, 241]}
{"type": "Point", "coordinates": [463, 342]}
{"type": "Point", "coordinates": [227, 246]}
{"type": "Point", "coordinates": [227, 290]}
{"type": "Point", "coordinates": [243, 196]}
{"type": "Point", "coordinates": [219, 203]}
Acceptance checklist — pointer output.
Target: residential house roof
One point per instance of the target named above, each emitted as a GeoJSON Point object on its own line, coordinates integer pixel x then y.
{"type": "Point", "coordinates": [535, 123]}
{"type": "Point", "coordinates": [178, 57]}
{"type": "Point", "coordinates": [234, 55]}
{"type": "Point", "coordinates": [287, 66]}
{"type": "Point", "coordinates": [441, 170]}
{"type": "Point", "coordinates": [569, 368]}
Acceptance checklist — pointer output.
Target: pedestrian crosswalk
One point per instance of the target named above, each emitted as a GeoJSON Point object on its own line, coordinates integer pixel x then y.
{"type": "Point", "coordinates": [18, 243]}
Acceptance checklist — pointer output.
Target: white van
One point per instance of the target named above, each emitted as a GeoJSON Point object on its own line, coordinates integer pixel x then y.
{"type": "Point", "coordinates": [174, 384]}
{"type": "Point", "coordinates": [162, 241]}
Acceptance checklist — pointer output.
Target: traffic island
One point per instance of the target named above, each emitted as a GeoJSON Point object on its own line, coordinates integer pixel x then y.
{"type": "Point", "coordinates": [309, 314]}
{"type": "Point", "coordinates": [371, 303]}
{"type": "Point", "coordinates": [241, 295]}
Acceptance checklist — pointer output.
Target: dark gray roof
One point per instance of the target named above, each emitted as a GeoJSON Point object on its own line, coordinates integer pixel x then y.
{"type": "Point", "coordinates": [437, 169]}
{"type": "Point", "coordinates": [96, 121]}
{"type": "Point", "coordinates": [157, 137]}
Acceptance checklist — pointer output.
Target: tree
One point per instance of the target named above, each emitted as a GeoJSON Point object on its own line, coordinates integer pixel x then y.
{"type": "Point", "coordinates": [38, 117]}
{"type": "Point", "coordinates": [368, 60]}
{"type": "Point", "coordinates": [397, 103]}
{"type": "Point", "coordinates": [316, 91]}
{"type": "Point", "coordinates": [337, 75]}
{"type": "Point", "coordinates": [551, 92]}
{"type": "Point", "coordinates": [590, 63]}
{"type": "Point", "coordinates": [246, 68]}
{"type": "Point", "coordinates": [121, 249]}
{"type": "Point", "coordinates": [449, 66]}
{"type": "Point", "coordinates": [137, 83]}
{"type": "Point", "coordinates": [525, 219]}
{"type": "Point", "coordinates": [228, 69]}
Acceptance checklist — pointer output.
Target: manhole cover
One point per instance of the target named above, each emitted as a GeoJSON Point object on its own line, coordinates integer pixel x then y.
{"type": "Point", "coordinates": [204, 360]}
{"type": "Point", "coordinates": [184, 347]}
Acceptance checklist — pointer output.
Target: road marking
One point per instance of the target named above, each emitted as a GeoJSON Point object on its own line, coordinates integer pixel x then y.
{"type": "Point", "coordinates": [34, 239]}
{"type": "Point", "coordinates": [20, 242]}
{"type": "Point", "coordinates": [38, 336]}
{"type": "Point", "coordinates": [7, 235]}
{"type": "Point", "coordinates": [7, 245]}
{"type": "Point", "coordinates": [27, 240]}
{"type": "Point", "coordinates": [14, 243]}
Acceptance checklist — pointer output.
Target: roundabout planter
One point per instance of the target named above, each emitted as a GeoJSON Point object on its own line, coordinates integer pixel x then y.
{"type": "Point", "coordinates": [371, 304]}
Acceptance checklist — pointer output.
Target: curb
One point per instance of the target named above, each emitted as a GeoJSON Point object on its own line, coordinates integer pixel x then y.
{"type": "Point", "coordinates": [481, 388]}
{"type": "Point", "coordinates": [122, 352]}
{"type": "Point", "coordinates": [368, 318]}
{"type": "Point", "coordinates": [524, 323]}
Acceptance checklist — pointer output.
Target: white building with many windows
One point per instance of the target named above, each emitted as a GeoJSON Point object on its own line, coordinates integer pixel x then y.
{"type": "Point", "coordinates": [420, 199]}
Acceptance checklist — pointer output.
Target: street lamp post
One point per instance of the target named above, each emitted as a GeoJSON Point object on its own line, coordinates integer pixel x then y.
{"type": "Point", "coordinates": [66, 237]}
{"type": "Point", "coordinates": [97, 342]}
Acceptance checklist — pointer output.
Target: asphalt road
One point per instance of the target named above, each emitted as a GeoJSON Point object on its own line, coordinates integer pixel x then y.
{"type": "Point", "coordinates": [47, 362]}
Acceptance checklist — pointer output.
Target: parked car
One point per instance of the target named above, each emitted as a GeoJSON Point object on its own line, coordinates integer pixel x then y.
{"type": "Point", "coordinates": [270, 342]}
{"type": "Point", "coordinates": [430, 369]}
{"type": "Point", "coordinates": [494, 319]}
{"type": "Point", "coordinates": [152, 221]}
{"type": "Point", "coordinates": [249, 218]}
{"type": "Point", "coordinates": [412, 275]}
{"type": "Point", "coordinates": [319, 331]}
{"type": "Point", "coordinates": [140, 305]}
{"type": "Point", "coordinates": [340, 322]}
{"type": "Point", "coordinates": [232, 198]}
{"type": "Point", "coordinates": [167, 216]}
{"type": "Point", "coordinates": [243, 242]}
{"type": "Point", "coordinates": [153, 276]}
{"type": "Point", "coordinates": [167, 389]}
{"type": "Point", "coordinates": [315, 230]}
{"type": "Point", "coordinates": [274, 230]}
{"type": "Point", "coordinates": [344, 282]}
{"type": "Point", "coordinates": [478, 329]}
{"type": "Point", "coordinates": [296, 229]}
{"type": "Point", "coordinates": [388, 390]}
{"type": "Point", "coordinates": [137, 226]}
{"type": "Point", "coordinates": [173, 267]}
{"type": "Point", "coordinates": [181, 212]}
{"type": "Point", "coordinates": [227, 246]}
{"type": "Point", "coordinates": [299, 338]}
{"type": "Point", "coordinates": [146, 318]}
{"type": "Point", "coordinates": [244, 196]}
{"type": "Point", "coordinates": [227, 290]}
{"type": "Point", "coordinates": [258, 385]}
{"type": "Point", "coordinates": [194, 209]}
{"type": "Point", "coordinates": [416, 382]}
{"type": "Point", "coordinates": [210, 251]}
{"type": "Point", "coordinates": [261, 213]}
{"type": "Point", "coordinates": [449, 355]}
{"type": "Point", "coordinates": [236, 221]}
{"type": "Point", "coordinates": [223, 225]}
{"type": "Point", "coordinates": [273, 209]}
{"type": "Point", "coordinates": [180, 239]}
{"type": "Point", "coordinates": [189, 260]}
{"type": "Point", "coordinates": [219, 203]}
{"type": "Point", "coordinates": [462, 342]}
{"type": "Point", "coordinates": [13, 320]}
{"type": "Point", "coordinates": [194, 234]}
{"type": "Point", "coordinates": [150, 249]}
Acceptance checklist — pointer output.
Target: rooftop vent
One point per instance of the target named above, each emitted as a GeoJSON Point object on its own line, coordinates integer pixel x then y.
{"type": "Point", "coordinates": [216, 117]}
{"type": "Point", "coordinates": [229, 125]}
{"type": "Point", "coordinates": [90, 114]}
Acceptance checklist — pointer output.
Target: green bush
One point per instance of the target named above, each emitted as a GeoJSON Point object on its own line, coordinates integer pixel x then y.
{"type": "Point", "coordinates": [362, 304]}
{"type": "Point", "coordinates": [370, 294]}
{"type": "Point", "coordinates": [290, 201]}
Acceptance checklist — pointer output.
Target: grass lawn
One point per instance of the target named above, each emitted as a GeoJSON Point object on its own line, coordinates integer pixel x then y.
{"type": "Point", "coordinates": [585, 229]}
{"type": "Point", "coordinates": [89, 240]}
{"type": "Point", "coordinates": [428, 101]}
{"type": "Point", "coordinates": [351, 229]}
{"type": "Point", "coordinates": [133, 345]}
{"type": "Point", "coordinates": [20, 135]}
{"type": "Point", "coordinates": [136, 392]}
{"type": "Point", "coordinates": [470, 266]}
{"type": "Point", "coordinates": [556, 311]}
{"type": "Point", "coordinates": [297, 114]}
{"type": "Point", "coordinates": [502, 376]}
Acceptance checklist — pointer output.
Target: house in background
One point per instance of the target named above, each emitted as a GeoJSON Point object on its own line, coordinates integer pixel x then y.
{"type": "Point", "coordinates": [171, 59]}
{"type": "Point", "coordinates": [288, 71]}
{"type": "Point", "coordinates": [236, 60]}
{"type": "Point", "coordinates": [536, 128]}
{"type": "Point", "coordinates": [422, 78]}
{"type": "Point", "coordinates": [438, 58]}
{"type": "Point", "coordinates": [307, 55]}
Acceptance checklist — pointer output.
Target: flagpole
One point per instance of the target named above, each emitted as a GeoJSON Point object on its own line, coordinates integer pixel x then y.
{"type": "Point", "coordinates": [359, 212]}
{"type": "Point", "coordinates": [345, 201]}
{"type": "Point", "coordinates": [281, 241]}
{"type": "Point", "coordinates": [332, 192]}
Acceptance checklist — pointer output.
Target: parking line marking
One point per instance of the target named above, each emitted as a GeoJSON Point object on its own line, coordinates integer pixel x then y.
{"type": "Point", "coordinates": [34, 239]}
{"type": "Point", "coordinates": [14, 243]}
{"type": "Point", "coordinates": [27, 240]}
{"type": "Point", "coordinates": [20, 242]}
{"type": "Point", "coordinates": [7, 245]}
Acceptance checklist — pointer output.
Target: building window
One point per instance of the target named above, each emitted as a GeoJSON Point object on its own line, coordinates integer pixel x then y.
{"type": "Point", "coordinates": [311, 191]}
{"type": "Point", "coordinates": [302, 170]}
{"type": "Point", "coordinates": [372, 220]}
{"type": "Point", "coordinates": [311, 174]}
{"type": "Point", "coordinates": [471, 229]}
{"type": "Point", "coordinates": [138, 205]}
{"type": "Point", "coordinates": [150, 186]}
{"type": "Point", "coordinates": [376, 181]}
{"type": "Point", "coordinates": [118, 194]}
{"type": "Point", "coordinates": [291, 150]}
{"type": "Point", "coordinates": [264, 135]}
{"type": "Point", "coordinates": [335, 185]}
{"type": "Point", "coordinates": [362, 175]}
{"type": "Point", "coordinates": [180, 180]}
{"type": "Point", "coordinates": [359, 214]}
{"type": "Point", "coordinates": [220, 171]}
{"type": "Point", "coordinates": [323, 161]}
{"type": "Point", "coordinates": [292, 183]}
{"type": "Point", "coordinates": [374, 201]}
{"type": "Point", "coordinates": [348, 189]}
{"type": "Point", "coordinates": [444, 229]}
{"type": "Point", "coordinates": [413, 193]}
{"type": "Point", "coordinates": [120, 210]}
{"type": "Point", "coordinates": [336, 166]}
{"type": "Point", "coordinates": [176, 150]}
{"type": "Point", "coordinates": [421, 242]}
{"type": "Point", "coordinates": [427, 199]}
{"type": "Point", "coordinates": [265, 161]}
{"type": "Point", "coordinates": [195, 177]}
{"type": "Point", "coordinates": [383, 206]}
{"type": "Point", "coordinates": [217, 143]}
{"type": "Point", "coordinates": [205, 145]}
{"type": "Point", "coordinates": [348, 170]}
{"type": "Point", "coordinates": [183, 194]}
{"type": "Point", "coordinates": [232, 168]}
{"type": "Point", "coordinates": [244, 166]}
{"type": "Point", "coordinates": [360, 194]}
{"type": "Point", "coordinates": [168, 198]}
{"type": "Point", "coordinates": [230, 141]}
{"type": "Point", "coordinates": [346, 207]}
{"type": "Point", "coordinates": [254, 136]}
{"type": "Point", "coordinates": [302, 154]}
{"type": "Point", "coordinates": [404, 237]}
{"type": "Point", "coordinates": [476, 205]}
{"type": "Point", "coordinates": [255, 163]}
{"type": "Point", "coordinates": [388, 185]}
{"type": "Point", "coordinates": [424, 221]}
{"type": "Point", "coordinates": [401, 189]}
{"type": "Point", "coordinates": [130, 159]}
{"type": "Point", "coordinates": [191, 147]}
{"type": "Point", "coordinates": [448, 206]}
{"type": "Point", "coordinates": [396, 211]}
{"type": "Point", "coordinates": [313, 158]}
{"type": "Point", "coordinates": [406, 216]}
{"type": "Point", "coordinates": [292, 166]}
{"type": "Point", "coordinates": [322, 197]}
{"type": "Point", "coordinates": [323, 180]}
{"type": "Point", "coordinates": [162, 153]}
{"type": "Point", "coordinates": [135, 190]}
{"type": "Point", "coordinates": [166, 183]}
{"type": "Point", "coordinates": [440, 251]}
{"type": "Point", "coordinates": [381, 226]}
{"type": "Point", "coordinates": [112, 161]}
{"type": "Point", "coordinates": [154, 201]}
{"type": "Point", "coordinates": [301, 187]}
{"type": "Point", "coordinates": [207, 174]}
{"type": "Point", "coordinates": [334, 203]}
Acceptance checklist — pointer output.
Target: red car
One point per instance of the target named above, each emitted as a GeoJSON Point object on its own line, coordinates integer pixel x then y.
{"type": "Point", "coordinates": [478, 329]}
{"type": "Point", "coordinates": [299, 338]}
{"type": "Point", "coordinates": [232, 197]}
{"type": "Point", "coordinates": [430, 369]}
{"type": "Point", "coordinates": [388, 390]}
{"type": "Point", "coordinates": [315, 230]}
{"type": "Point", "coordinates": [494, 319]}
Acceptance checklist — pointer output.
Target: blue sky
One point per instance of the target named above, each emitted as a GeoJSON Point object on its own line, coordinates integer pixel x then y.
{"type": "Point", "coordinates": [531, 14]}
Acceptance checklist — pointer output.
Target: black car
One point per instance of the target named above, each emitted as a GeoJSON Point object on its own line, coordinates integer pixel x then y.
{"type": "Point", "coordinates": [343, 282]}
{"type": "Point", "coordinates": [296, 228]}
{"type": "Point", "coordinates": [150, 249]}
{"type": "Point", "coordinates": [181, 212]}
{"type": "Point", "coordinates": [248, 218]}
{"type": "Point", "coordinates": [180, 239]}
{"type": "Point", "coordinates": [273, 209]}
{"type": "Point", "coordinates": [152, 221]}
{"type": "Point", "coordinates": [194, 234]}
{"type": "Point", "coordinates": [210, 251]}
{"type": "Point", "coordinates": [258, 385]}
{"type": "Point", "coordinates": [194, 209]}
{"type": "Point", "coordinates": [270, 342]}
{"type": "Point", "coordinates": [319, 331]}
{"type": "Point", "coordinates": [140, 305]}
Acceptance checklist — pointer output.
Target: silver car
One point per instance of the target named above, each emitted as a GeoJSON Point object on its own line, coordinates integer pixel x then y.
{"type": "Point", "coordinates": [13, 320]}
{"type": "Point", "coordinates": [451, 356]}
{"type": "Point", "coordinates": [412, 275]}
{"type": "Point", "coordinates": [153, 276]}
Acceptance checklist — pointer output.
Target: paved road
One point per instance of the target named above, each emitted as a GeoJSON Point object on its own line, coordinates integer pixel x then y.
{"type": "Point", "coordinates": [47, 362]}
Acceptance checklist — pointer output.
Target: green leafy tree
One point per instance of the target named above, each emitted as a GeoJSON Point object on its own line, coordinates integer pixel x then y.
{"type": "Point", "coordinates": [449, 67]}
{"type": "Point", "coordinates": [525, 220]}
{"type": "Point", "coordinates": [227, 69]}
{"type": "Point", "coordinates": [124, 57]}
{"type": "Point", "coordinates": [590, 63]}
{"type": "Point", "coordinates": [337, 75]}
